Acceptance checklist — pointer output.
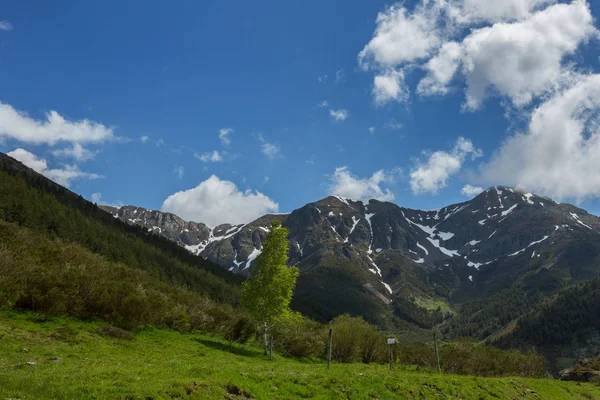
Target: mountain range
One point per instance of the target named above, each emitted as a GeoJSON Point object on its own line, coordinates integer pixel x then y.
{"type": "Point", "coordinates": [508, 267]}
{"type": "Point", "coordinates": [497, 255]}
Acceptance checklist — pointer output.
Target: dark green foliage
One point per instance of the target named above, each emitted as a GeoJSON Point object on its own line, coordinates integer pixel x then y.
{"type": "Point", "coordinates": [483, 317]}
{"type": "Point", "coordinates": [305, 339]}
{"type": "Point", "coordinates": [240, 330]}
{"type": "Point", "coordinates": [326, 291]}
{"type": "Point", "coordinates": [33, 201]}
{"type": "Point", "coordinates": [54, 277]}
{"type": "Point", "coordinates": [569, 316]}
{"type": "Point", "coordinates": [355, 340]}
{"type": "Point", "coordinates": [473, 359]}
{"type": "Point", "coordinates": [406, 309]}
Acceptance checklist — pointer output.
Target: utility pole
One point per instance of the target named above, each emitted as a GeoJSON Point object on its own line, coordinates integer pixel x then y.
{"type": "Point", "coordinates": [437, 354]}
{"type": "Point", "coordinates": [329, 343]}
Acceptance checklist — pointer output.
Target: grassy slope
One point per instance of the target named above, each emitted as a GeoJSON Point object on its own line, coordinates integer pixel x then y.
{"type": "Point", "coordinates": [163, 364]}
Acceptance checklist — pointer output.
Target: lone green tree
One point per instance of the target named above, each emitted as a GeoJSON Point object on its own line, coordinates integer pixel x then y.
{"type": "Point", "coordinates": [268, 291]}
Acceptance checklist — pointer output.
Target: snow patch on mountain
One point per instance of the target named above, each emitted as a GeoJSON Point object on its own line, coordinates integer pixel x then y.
{"type": "Point", "coordinates": [422, 248]}
{"type": "Point", "coordinates": [530, 244]}
{"type": "Point", "coordinates": [576, 218]}
{"type": "Point", "coordinates": [255, 253]}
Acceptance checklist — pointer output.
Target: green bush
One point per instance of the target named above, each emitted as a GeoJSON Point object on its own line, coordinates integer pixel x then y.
{"type": "Point", "coordinates": [356, 340]}
{"type": "Point", "coordinates": [308, 338]}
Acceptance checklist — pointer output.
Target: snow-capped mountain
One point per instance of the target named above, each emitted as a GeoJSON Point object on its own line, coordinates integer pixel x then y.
{"type": "Point", "coordinates": [498, 239]}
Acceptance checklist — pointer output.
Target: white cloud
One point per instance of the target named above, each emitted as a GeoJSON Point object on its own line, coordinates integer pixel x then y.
{"type": "Point", "coordinates": [402, 36]}
{"type": "Point", "coordinates": [371, 130]}
{"type": "Point", "coordinates": [5, 26]}
{"type": "Point", "coordinates": [524, 59]}
{"type": "Point", "coordinates": [441, 69]}
{"type": "Point", "coordinates": [520, 60]}
{"type": "Point", "coordinates": [340, 76]}
{"type": "Point", "coordinates": [471, 191]}
{"type": "Point", "coordinates": [271, 150]}
{"type": "Point", "coordinates": [144, 139]}
{"type": "Point", "coordinates": [179, 171]}
{"type": "Point", "coordinates": [61, 176]}
{"type": "Point", "coordinates": [19, 126]}
{"type": "Point", "coordinates": [311, 160]}
{"type": "Point", "coordinates": [559, 154]}
{"type": "Point", "coordinates": [213, 156]}
{"type": "Point", "coordinates": [323, 104]}
{"type": "Point", "coordinates": [322, 78]}
{"type": "Point", "coordinates": [512, 48]}
{"type": "Point", "coordinates": [390, 86]}
{"type": "Point", "coordinates": [339, 115]}
{"type": "Point", "coordinates": [96, 198]}
{"type": "Point", "coordinates": [432, 175]}
{"type": "Point", "coordinates": [216, 201]}
{"type": "Point", "coordinates": [78, 152]}
{"type": "Point", "coordinates": [467, 12]}
{"type": "Point", "coordinates": [344, 183]}
{"type": "Point", "coordinates": [266, 179]}
{"type": "Point", "coordinates": [224, 136]}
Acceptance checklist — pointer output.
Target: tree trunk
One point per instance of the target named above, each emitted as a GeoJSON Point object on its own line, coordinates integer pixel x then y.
{"type": "Point", "coordinates": [265, 337]}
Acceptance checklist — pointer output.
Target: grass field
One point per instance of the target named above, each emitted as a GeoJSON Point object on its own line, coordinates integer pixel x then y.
{"type": "Point", "coordinates": [69, 359]}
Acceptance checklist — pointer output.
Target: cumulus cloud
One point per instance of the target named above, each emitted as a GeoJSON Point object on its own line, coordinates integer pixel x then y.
{"type": "Point", "coordinates": [61, 176]}
{"type": "Point", "coordinates": [271, 150]}
{"type": "Point", "coordinates": [211, 156]}
{"type": "Point", "coordinates": [77, 152]}
{"type": "Point", "coordinates": [441, 69]}
{"type": "Point", "coordinates": [524, 59]}
{"type": "Point", "coordinates": [224, 136]}
{"type": "Point", "coordinates": [216, 201]}
{"type": "Point", "coordinates": [55, 128]}
{"type": "Point", "coordinates": [471, 191]}
{"type": "Point", "coordinates": [402, 36]}
{"type": "Point", "coordinates": [468, 12]}
{"type": "Point", "coordinates": [431, 175]}
{"type": "Point", "coordinates": [559, 154]}
{"type": "Point", "coordinates": [344, 183]}
{"type": "Point", "coordinates": [339, 115]}
{"type": "Point", "coordinates": [144, 139]}
{"type": "Point", "coordinates": [389, 86]}
{"type": "Point", "coordinates": [512, 48]}
{"type": "Point", "coordinates": [5, 26]}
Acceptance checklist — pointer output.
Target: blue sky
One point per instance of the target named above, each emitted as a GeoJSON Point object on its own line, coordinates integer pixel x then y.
{"type": "Point", "coordinates": [158, 82]}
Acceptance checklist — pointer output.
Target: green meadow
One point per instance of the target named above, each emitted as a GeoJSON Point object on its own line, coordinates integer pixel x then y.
{"type": "Point", "coordinates": [57, 358]}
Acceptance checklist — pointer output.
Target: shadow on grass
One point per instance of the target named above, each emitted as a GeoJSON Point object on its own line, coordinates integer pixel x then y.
{"type": "Point", "coordinates": [230, 348]}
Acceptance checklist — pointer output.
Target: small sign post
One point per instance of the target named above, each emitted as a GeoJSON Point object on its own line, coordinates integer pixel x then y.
{"type": "Point", "coordinates": [391, 342]}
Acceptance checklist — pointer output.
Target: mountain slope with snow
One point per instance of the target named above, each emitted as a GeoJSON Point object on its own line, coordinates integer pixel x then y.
{"type": "Point", "coordinates": [402, 263]}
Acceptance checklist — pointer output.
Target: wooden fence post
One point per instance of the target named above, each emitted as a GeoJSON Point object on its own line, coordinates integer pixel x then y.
{"type": "Point", "coordinates": [329, 343]}
{"type": "Point", "coordinates": [437, 354]}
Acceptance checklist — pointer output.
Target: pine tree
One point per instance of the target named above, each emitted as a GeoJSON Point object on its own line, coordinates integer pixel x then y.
{"type": "Point", "coordinates": [268, 291]}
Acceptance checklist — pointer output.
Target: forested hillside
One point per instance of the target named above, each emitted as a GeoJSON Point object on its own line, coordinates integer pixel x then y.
{"type": "Point", "coordinates": [32, 201]}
